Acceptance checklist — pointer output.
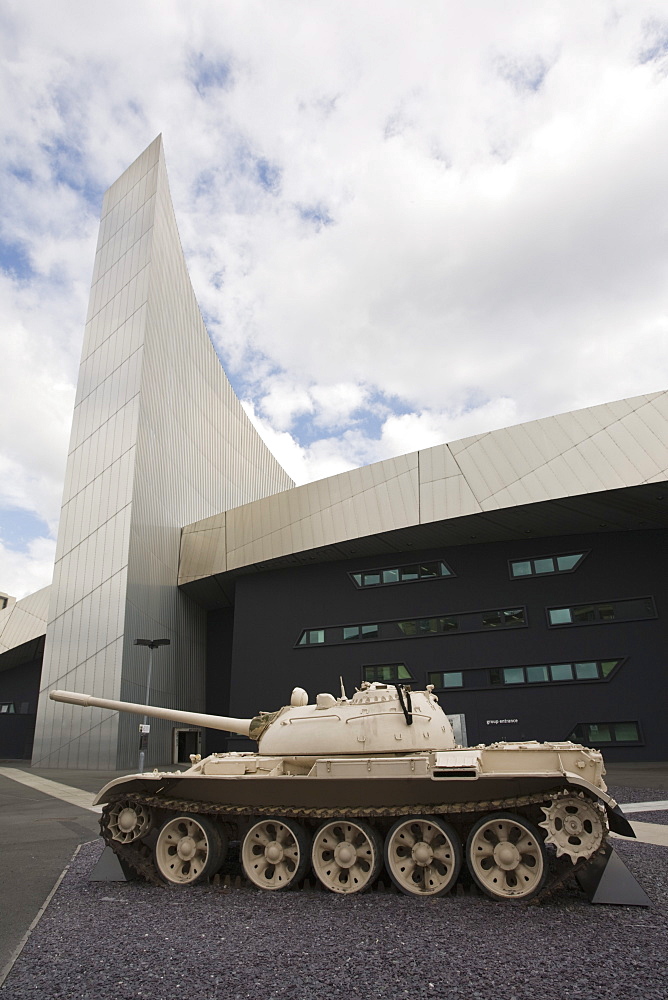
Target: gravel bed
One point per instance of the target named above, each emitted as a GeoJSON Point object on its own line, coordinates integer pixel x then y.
{"type": "Point", "coordinates": [129, 940]}
{"type": "Point", "coordinates": [660, 817]}
{"type": "Point", "coordinates": [623, 793]}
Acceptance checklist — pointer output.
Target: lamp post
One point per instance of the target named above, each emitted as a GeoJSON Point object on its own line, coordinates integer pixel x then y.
{"type": "Point", "coordinates": [144, 728]}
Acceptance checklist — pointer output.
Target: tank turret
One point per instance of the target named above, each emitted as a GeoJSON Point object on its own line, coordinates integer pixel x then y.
{"type": "Point", "coordinates": [347, 785]}
{"type": "Point", "coordinates": [377, 719]}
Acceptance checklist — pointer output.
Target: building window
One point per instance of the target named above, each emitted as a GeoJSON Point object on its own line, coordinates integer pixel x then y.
{"type": "Point", "coordinates": [470, 622]}
{"type": "Point", "coordinates": [586, 671]}
{"type": "Point", "coordinates": [467, 621]}
{"type": "Point", "coordinates": [402, 574]}
{"type": "Point", "coordinates": [555, 673]}
{"type": "Point", "coordinates": [493, 619]}
{"type": "Point", "coordinates": [447, 679]}
{"type": "Point", "coordinates": [634, 609]}
{"type": "Point", "coordinates": [513, 675]}
{"type": "Point", "coordinates": [426, 626]}
{"type": "Point", "coordinates": [545, 565]}
{"type": "Point", "coordinates": [605, 733]}
{"type": "Point", "coordinates": [312, 637]}
{"type": "Point", "coordinates": [357, 632]}
{"type": "Point", "coordinates": [386, 673]}
{"type": "Point", "coordinates": [7, 708]}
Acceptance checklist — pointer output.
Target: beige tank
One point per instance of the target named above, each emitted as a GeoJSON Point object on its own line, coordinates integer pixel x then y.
{"type": "Point", "coordinates": [347, 785]}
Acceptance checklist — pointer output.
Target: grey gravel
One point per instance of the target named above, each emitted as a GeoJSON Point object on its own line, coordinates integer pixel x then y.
{"type": "Point", "coordinates": [659, 817]}
{"type": "Point", "coordinates": [128, 940]}
{"type": "Point", "coordinates": [624, 793]}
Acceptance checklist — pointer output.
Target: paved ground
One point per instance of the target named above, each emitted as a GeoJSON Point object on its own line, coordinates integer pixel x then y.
{"type": "Point", "coordinates": [40, 832]}
{"type": "Point", "coordinates": [643, 775]}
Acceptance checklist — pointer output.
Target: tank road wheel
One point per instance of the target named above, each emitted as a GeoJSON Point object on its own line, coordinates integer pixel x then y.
{"type": "Point", "coordinates": [127, 820]}
{"type": "Point", "coordinates": [274, 854]}
{"type": "Point", "coordinates": [506, 856]}
{"type": "Point", "coordinates": [575, 825]}
{"type": "Point", "coordinates": [346, 855]}
{"type": "Point", "coordinates": [189, 849]}
{"type": "Point", "coordinates": [423, 856]}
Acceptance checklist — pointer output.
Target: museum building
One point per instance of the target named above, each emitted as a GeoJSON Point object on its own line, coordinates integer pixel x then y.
{"type": "Point", "coordinates": [519, 572]}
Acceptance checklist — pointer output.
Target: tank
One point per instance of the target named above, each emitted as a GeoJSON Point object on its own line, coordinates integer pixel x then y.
{"type": "Point", "coordinates": [347, 785]}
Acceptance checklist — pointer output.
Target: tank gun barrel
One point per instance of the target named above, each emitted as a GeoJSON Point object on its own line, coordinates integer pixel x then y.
{"type": "Point", "coordinates": [240, 726]}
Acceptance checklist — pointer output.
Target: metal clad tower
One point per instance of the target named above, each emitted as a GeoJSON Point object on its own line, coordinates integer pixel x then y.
{"type": "Point", "coordinates": [159, 440]}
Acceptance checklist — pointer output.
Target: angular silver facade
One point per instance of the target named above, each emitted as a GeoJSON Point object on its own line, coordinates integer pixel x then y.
{"type": "Point", "coordinates": [21, 621]}
{"type": "Point", "coordinates": [591, 451]}
{"type": "Point", "coordinates": [159, 440]}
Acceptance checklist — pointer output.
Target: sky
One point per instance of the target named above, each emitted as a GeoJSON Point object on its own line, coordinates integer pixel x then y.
{"type": "Point", "coordinates": [405, 222]}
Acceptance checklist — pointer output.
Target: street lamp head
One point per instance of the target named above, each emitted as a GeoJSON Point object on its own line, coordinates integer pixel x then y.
{"type": "Point", "coordinates": [152, 643]}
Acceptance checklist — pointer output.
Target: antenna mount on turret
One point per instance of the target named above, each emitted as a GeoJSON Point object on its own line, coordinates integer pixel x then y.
{"type": "Point", "coordinates": [406, 706]}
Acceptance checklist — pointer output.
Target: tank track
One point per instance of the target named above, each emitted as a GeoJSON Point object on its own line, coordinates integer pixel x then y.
{"type": "Point", "coordinates": [137, 857]}
{"type": "Point", "coordinates": [306, 812]}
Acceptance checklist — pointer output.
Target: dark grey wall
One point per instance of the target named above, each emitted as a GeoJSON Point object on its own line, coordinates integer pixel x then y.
{"type": "Point", "coordinates": [272, 609]}
{"type": "Point", "coordinates": [20, 685]}
{"type": "Point", "coordinates": [218, 673]}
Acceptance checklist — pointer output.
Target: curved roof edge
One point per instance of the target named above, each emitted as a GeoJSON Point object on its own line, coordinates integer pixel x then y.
{"type": "Point", "coordinates": [602, 448]}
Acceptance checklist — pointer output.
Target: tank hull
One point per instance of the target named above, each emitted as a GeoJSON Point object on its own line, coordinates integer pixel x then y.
{"type": "Point", "coordinates": [373, 785]}
{"type": "Point", "coordinates": [301, 792]}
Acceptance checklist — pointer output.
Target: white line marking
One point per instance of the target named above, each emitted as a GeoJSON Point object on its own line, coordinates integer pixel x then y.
{"type": "Point", "coordinates": [647, 833]}
{"type": "Point", "coordinates": [644, 807]}
{"type": "Point", "coordinates": [75, 796]}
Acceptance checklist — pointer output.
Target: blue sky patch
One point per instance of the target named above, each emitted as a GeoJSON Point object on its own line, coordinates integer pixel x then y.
{"type": "Point", "coordinates": [15, 261]}
{"type": "Point", "coordinates": [657, 42]}
{"type": "Point", "coordinates": [23, 174]}
{"type": "Point", "coordinates": [317, 214]}
{"type": "Point", "coordinates": [207, 74]}
{"type": "Point", "coordinates": [19, 527]}
{"type": "Point", "coordinates": [68, 168]}
{"type": "Point", "coordinates": [305, 431]}
{"type": "Point", "coordinates": [268, 174]}
{"type": "Point", "coordinates": [367, 418]}
{"type": "Point", "coordinates": [249, 166]}
{"type": "Point", "coordinates": [204, 183]}
{"type": "Point", "coordinates": [524, 75]}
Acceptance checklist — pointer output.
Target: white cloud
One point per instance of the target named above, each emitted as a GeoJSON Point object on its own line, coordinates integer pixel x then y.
{"type": "Point", "coordinates": [401, 229]}
{"type": "Point", "coordinates": [23, 573]}
{"type": "Point", "coordinates": [305, 463]}
{"type": "Point", "coordinates": [37, 365]}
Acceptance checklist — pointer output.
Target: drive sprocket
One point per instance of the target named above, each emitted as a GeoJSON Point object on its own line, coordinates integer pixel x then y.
{"type": "Point", "coordinates": [575, 824]}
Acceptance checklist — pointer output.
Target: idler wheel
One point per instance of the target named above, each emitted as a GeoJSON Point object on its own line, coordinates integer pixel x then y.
{"type": "Point", "coordinates": [275, 853]}
{"type": "Point", "coordinates": [423, 855]}
{"type": "Point", "coordinates": [127, 820]}
{"type": "Point", "coordinates": [189, 849]}
{"type": "Point", "coordinates": [347, 855]}
{"type": "Point", "coordinates": [506, 856]}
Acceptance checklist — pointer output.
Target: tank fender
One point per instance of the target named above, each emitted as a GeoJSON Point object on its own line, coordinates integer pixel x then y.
{"type": "Point", "coordinates": [129, 783]}
{"type": "Point", "coordinates": [616, 818]}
